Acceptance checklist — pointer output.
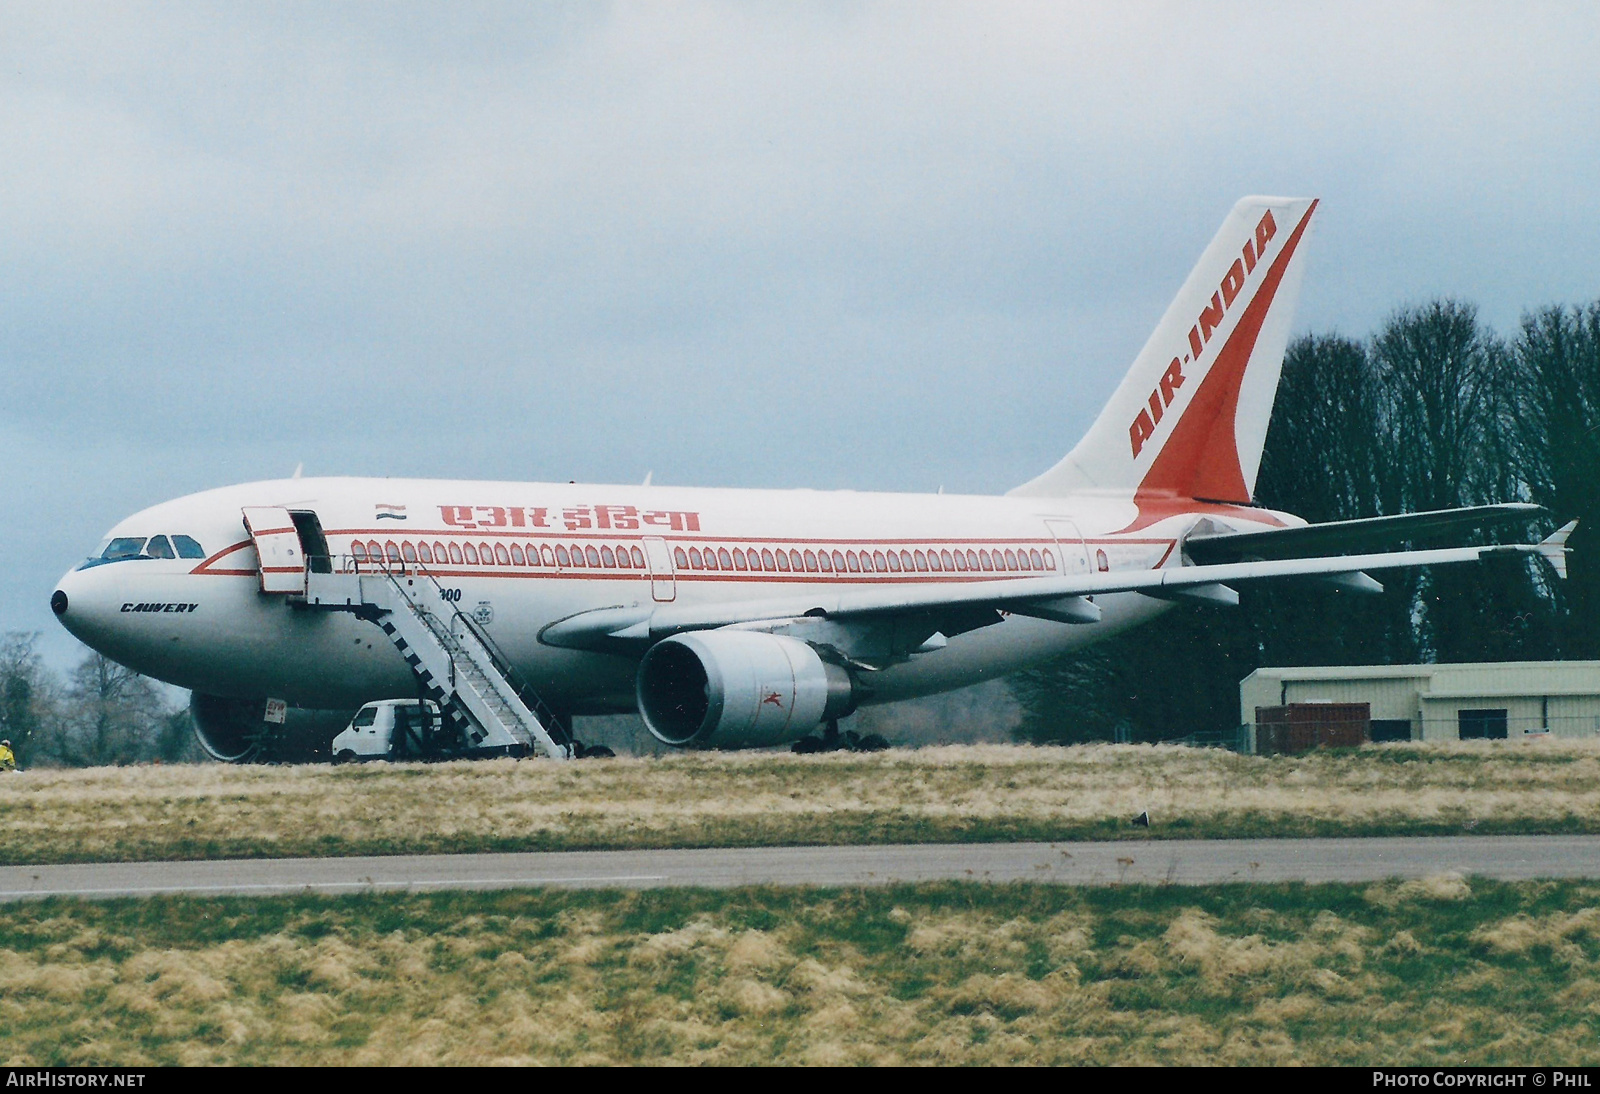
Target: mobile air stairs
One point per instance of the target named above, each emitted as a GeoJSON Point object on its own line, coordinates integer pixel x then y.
{"type": "Point", "coordinates": [454, 659]}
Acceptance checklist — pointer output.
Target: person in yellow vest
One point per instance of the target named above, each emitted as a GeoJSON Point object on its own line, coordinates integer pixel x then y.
{"type": "Point", "coordinates": [8, 759]}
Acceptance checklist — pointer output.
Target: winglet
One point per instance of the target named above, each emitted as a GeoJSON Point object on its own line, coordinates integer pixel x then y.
{"type": "Point", "coordinates": [1554, 548]}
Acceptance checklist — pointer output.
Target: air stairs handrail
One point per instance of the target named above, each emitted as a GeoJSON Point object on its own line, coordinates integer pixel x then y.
{"type": "Point", "coordinates": [497, 658]}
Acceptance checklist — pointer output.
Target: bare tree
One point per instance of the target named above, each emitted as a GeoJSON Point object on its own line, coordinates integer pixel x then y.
{"type": "Point", "coordinates": [27, 695]}
{"type": "Point", "coordinates": [112, 715]}
{"type": "Point", "coordinates": [1556, 433]}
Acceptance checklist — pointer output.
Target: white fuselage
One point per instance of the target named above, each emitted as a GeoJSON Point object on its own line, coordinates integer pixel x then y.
{"type": "Point", "coordinates": [521, 556]}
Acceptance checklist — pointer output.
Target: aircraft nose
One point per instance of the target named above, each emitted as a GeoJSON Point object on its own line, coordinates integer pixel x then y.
{"type": "Point", "coordinates": [83, 606]}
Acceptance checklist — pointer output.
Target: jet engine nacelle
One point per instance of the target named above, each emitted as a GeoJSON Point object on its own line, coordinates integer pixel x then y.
{"type": "Point", "coordinates": [235, 731]}
{"type": "Point", "coordinates": [738, 689]}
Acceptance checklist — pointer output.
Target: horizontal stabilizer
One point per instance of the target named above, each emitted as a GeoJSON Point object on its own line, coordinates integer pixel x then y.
{"type": "Point", "coordinates": [1351, 535]}
{"type": "Point", "coordinates": [1553, 548]}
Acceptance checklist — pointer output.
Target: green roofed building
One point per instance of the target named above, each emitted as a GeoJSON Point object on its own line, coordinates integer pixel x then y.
{"type": "Point", "coordinates": [1322, 705]}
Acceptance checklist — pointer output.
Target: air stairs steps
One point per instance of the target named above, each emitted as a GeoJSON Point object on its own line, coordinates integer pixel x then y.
{"type": "Point", "coordinates": [453, 663]}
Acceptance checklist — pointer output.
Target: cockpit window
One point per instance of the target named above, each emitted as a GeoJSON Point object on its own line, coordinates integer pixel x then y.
{"type": "Point", "coordinates": [128, 547]}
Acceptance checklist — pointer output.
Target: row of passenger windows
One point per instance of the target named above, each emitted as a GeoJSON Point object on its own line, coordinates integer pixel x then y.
{"type": "Point", "coordinates": [619, 557]}
{"type": "Point", "coordinates": [746, 559]}
{"type": "Point", "coordinates": [795, 560]}
{"type": "Point", "coordinates": [129, 547]}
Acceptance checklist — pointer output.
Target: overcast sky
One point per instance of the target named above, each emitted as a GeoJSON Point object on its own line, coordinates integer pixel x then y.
{"type": "Point", "coordinates": [876, 246]}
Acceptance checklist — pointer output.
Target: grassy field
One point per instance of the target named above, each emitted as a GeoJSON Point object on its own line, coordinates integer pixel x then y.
{"type": "Point", "coordinates": [1442, 971]}
{"type": "Point", "coordinates": [984, 792]}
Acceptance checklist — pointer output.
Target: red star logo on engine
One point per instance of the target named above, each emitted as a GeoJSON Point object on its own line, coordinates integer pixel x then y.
{"type": "Point", "coordinates": [773, 698]}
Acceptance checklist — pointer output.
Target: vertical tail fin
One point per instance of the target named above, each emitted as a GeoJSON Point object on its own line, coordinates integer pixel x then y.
{"type": "Point", "coordinates": [1190, 417]}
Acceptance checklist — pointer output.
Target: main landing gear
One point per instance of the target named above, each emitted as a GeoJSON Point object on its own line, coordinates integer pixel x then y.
{"type": "Point", "coordinates": [832, 740]}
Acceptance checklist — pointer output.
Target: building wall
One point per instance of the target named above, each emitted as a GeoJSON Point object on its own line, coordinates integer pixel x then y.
{"type": "Point", "coordinates": [1558, 697]}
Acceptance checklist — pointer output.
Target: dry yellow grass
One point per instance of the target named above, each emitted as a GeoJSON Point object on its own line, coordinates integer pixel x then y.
{"type": "Point", "coordinates": [961, 793]}
{"type": "Point", "coordinates": [1455, 972]}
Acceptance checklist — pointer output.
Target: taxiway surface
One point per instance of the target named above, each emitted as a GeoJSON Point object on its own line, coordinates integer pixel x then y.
{"type": "Point", "coordinates": [1178, 862]}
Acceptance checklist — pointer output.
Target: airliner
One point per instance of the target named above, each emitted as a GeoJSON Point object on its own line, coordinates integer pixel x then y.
{"type": "Point", "coordinates": [747, 618]}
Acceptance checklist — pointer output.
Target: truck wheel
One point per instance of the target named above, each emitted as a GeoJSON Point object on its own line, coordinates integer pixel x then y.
{"type": "Point", "coordinates": [595, 752]}
{"type": "Point", "coordinates": [344, 756]}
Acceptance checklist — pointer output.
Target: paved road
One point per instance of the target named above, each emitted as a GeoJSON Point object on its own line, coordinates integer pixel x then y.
{"type": "Point", "coordinates": [1181, 862]}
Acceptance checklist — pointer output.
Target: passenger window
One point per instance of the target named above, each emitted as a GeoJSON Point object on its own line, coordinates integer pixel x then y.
{"type": "Point", "coordinates": [470, 553]}
{"type": "Point", "coordinates": [638, 558]}
{"type": "Point", "coordinates": [961, 561]}
{"type": "Point", "coordinates": [695, 561]}
{"type": "Point", "coordinates": [1011, 560]}
{"type": "Point", "coordinates": [906, 562]}
{"type": "Point", "coordinates": [725, 558]}
{"type": "Point", "coordinates": [188, 548]}
{"type": "Point", "coordinates": [1036, 557]}
{"type": "Point", "coordinates": [501, 555]}
{"type": "Point", "coordinates": [358, 551]}
{"type": "Point", "coordinates": [562, 556]}
{"type": "Point", "coordinates": [894, 562]}
{"type": "Point", "coordinates": [985, 560]}
{"type": "Point", "coordinates": [680, 558]}
{"type": "Point", "coordinates": [441, 553]}
{"type": "Point", "coordinates": [766, 559]}
{"type": "Point", "coordinates": [486, 554]}
{"type": "Point", "coordinates": [424, 552]}
{"type": "Point", "coordinates": [392, 549]}
{"type": "Point", "coordinates": [711, 559]}
{"type": "Point", "coordinates": [1049, 560]}
{"type": "Point", "coordinates": [853, 560]}
{"type": "Point", "coordinates": [408, 551]}
{"type": "Point", "coordinates": [740, 561]}
{"type": "Point", "coordinates": [783, 562]}
{"type": "Point", "coordinates": [576, 554]}
{"type": "Point", "coordinates": [1022, 561]}
{"type": "Point", "coordinates": [608, 558]}
{"type": "Point", "coordinates": [922, 561]}
{"type": "Point", "coordinates": [824, 562]}
{"type": "Point", "coordinates": [811, 562]}
{"type": "Point", "coordinates": [456, 554]}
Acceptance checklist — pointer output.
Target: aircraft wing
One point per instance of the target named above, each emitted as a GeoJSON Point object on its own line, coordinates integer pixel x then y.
{"type": "Point", "coordinates": [951, 608]}
{"type": "Point", "coordinates": [1347, 535]}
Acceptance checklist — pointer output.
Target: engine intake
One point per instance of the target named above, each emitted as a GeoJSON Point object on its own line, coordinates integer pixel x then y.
{"type": "Point", "coordinates": [738, 689]}
{"type": "Point", "coordinates": [233, 731]}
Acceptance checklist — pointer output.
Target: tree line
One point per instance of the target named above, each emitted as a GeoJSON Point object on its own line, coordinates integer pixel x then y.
{"type": "Point", "coordinates": [101, 713]}
{"type": "Point", "coordinates": [1433, 411]}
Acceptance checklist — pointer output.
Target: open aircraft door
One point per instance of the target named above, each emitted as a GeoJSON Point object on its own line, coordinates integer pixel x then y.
{"type": "Point", "coordinates": [1074, 553]}
{"type": "Point", "coordinates": [283, 564]}
{"type": "Point", "coordinates": [663, 579]}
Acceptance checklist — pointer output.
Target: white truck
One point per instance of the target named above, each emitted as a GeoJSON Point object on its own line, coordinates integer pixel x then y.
{"type": "Point", "coordinates": [414, 729]}
{"type": "Point", "coordinates": [397, 729]}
